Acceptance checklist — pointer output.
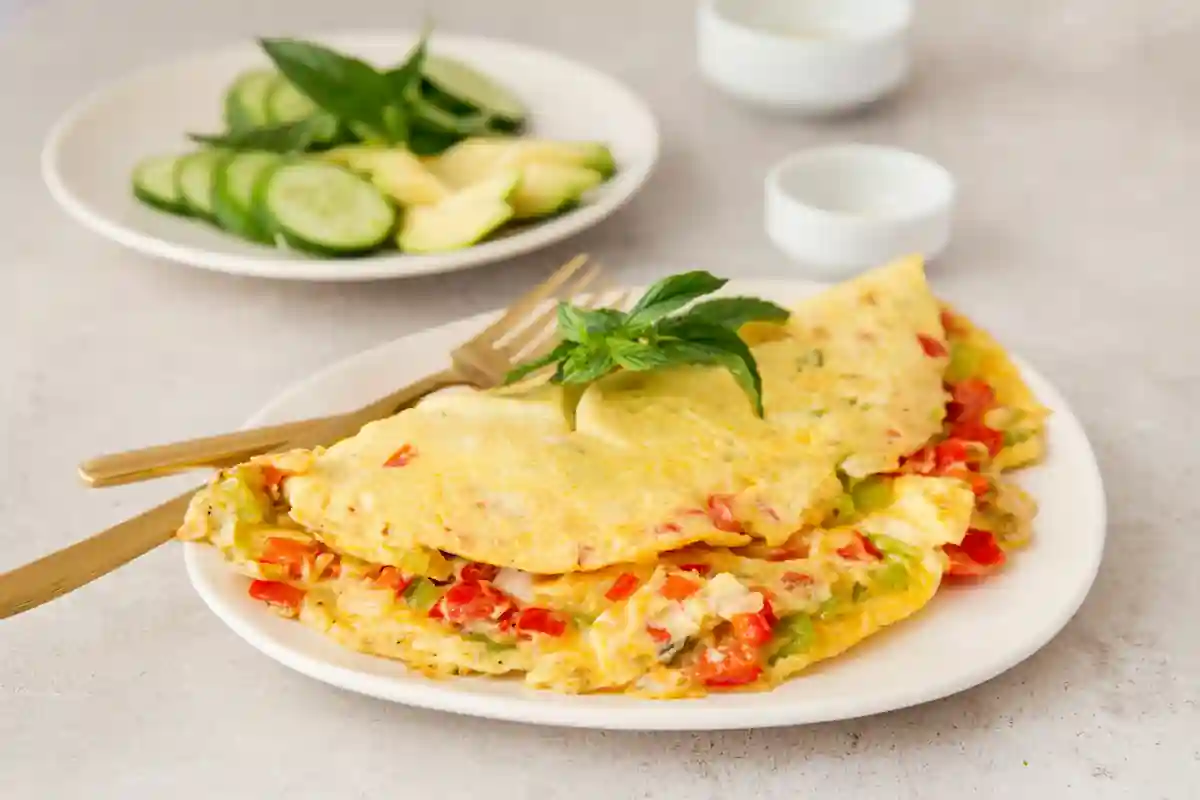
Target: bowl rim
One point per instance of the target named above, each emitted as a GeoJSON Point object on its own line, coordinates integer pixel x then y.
{"type": "Point", "coordinates": [934, 173]}
{"type": "Point", "coordinates": [712, 9]}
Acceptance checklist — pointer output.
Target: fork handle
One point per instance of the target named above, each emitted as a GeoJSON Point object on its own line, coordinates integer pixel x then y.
{"type": "Point", "coordinates": [228, 449]}
{"type": "Point", "coordinates": [66, 570]}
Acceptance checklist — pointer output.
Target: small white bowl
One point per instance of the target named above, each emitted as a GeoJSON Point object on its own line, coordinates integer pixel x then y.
{"type": "Point", "coordinates": [842, 209]}
{"type": "Point", "coordinates": [804, 56]}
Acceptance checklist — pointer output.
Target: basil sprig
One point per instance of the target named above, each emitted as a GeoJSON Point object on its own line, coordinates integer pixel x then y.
{"type": "Point", "coordinates": [661, 330]}
{"type": "Point", "coordinates": [348, 91]}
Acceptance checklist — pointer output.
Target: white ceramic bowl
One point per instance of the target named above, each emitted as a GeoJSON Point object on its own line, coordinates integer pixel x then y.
{"type": "Point", "coordinates": [841, 209]}
{"type": "Point", "coordinates": [804, 56]}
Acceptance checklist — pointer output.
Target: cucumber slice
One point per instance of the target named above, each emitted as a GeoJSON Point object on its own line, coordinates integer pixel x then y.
{"type": "Point", "coordinates": [154, 184]}
{"type": "Point", "coordinates": [550, 188]}
{"type": "Point", "coordinates": [323, 208]}
{"type": "Point", "coordinates": [473, 159]}
{"type": "Point", "coordinates": [233, 194]}
{"type": "Point", "coordinates": [286, 103]}
{"type": "Point", "coordinates": [397, 173]}
{"type": "Point", "coordinates": [246, 100]}
{"type": "Point", "coordinates": [462, 90]}
{"type": "Point", "coordinates": [195, 176]}
{"type": "Point", "coordinates": [462, 219]}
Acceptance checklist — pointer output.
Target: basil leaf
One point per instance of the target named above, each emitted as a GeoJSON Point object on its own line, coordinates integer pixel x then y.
{"type": "Point", "coordinates": [557, 354]}
{"type": "Point", "coordinates": [700, 342]}
{"type": "Point", "coordinates": [348, 88]}
{"type": "Point", "coordinates": [585, 365]}
{"type": "Point", "coordinates": [402, 80]}
{"type": "Point", "coordinates": [672, 294]}
{"type": "Point", "coordinates": [734, 312]}
{"type": "Point", "coordinates": [294, 137]}
{"type": "Point", "coordinates": [637, 356]}
{"type": "Point", "coordinates": [578, 324]}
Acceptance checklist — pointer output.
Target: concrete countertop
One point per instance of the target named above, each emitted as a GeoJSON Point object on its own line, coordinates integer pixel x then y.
{"type": "Point", "coordinates": [1073, 129]}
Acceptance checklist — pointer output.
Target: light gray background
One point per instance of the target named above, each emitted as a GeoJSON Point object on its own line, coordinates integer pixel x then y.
{"type": "Point", "coordinates": [1074, 128]}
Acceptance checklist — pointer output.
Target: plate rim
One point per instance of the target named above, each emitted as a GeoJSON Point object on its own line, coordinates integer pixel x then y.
{"type": "Point", "coordinates": [530, 706]}
{"type": "Point", "coordinates": [301, 268]}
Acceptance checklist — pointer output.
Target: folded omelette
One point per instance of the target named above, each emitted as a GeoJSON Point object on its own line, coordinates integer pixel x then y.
{"type": "Point", "coordinates": [653, 535]}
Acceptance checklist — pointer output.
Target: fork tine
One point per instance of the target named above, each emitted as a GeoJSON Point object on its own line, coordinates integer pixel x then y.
{"type": "Point", "coordinates": [525, 304]}
{"type": "Point", "coordinates": [514, 344]}
{"type": "Point", "coordinates": [533, 347]}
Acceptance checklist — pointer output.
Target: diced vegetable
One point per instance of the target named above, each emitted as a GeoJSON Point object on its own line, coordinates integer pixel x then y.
{"type": "Point", "coordinates": [751, 629]}
{"type": "Point", "coordinates": [421, 594]}
{"type": "Point", "coordinates": [426, 562]}
{"type": "Point", "coordinates": [478, 572]}
{"type": "Point", "coordinates": [860, 549]}
{"type": "Point", "coordinates": [402, 456]}
{"type": "Point", "coordinates": [965, 361]}
{"type": "Point", "coordinates": [894, 577]}
{"type": "Point", "coordinates": [729, 664]}
{"type": "Point", "coordinates": [677, 587]}
{"type": "Point", "coordinates": [872, 494]}
{"type": "Point", "coordinates": [625, 585]}
{"type": "Point", "coordinates": [720, 513]}
{"type": "Point", "coordinates": [796, 635]}
{"type": "Point", "coordinates": [979, 554]}
{"type": "Point", "coordinates": [932, 347]}
{"type": "Point", "coordinates": [540, 620]}
{"type": "Point", "coordinates": [290, 553]}
{"type": "Point", "coordinates": [278, 594]}
{"type": "Point", "coordinates": [970, 400]}
{"type": "Point", "coordinates": [392, 579]}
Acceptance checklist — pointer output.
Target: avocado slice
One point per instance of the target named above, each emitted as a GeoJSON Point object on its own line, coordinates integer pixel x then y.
{"type": "Point", "coordinates": [397, 173]}
{"type": "Point", "coordinates": [462, 218]}
{"type": "Point", "coordinates": [472, 160]}
{"type": "Point", "coordinates": [549, 188]}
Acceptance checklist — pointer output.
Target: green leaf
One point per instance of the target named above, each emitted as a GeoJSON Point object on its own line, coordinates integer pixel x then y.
{"type": "Point", "coordinates": [734, 312]}
{"type": "Point", "coordinates": [700, 342]}
{"type": "Point", "coordinates": [579, 325]}
{"type": "Point", "coordinates": [557, 354]}
{"type": "Point", "coordinates": [587, 364]}
{"type": "Point", "coordinates": [672, 294]}
{"type": "Point", "coordinates": [404, 79]}
{"type": "Point", "coordinates": [637, 356]}
{"type": "Point", "coordinates": [294, 137]}
{"type": "Point", "coordinates": [346, 87]}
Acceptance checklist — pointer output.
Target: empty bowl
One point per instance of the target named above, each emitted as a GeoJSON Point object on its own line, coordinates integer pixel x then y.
{"type": "Point", "coordinates": [839, 210]}
{"type": "Point", "coordinates": [804, 56]}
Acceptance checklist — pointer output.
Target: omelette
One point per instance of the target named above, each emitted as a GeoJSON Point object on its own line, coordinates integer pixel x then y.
{"type": "Point", "coordinates": [650, 534]}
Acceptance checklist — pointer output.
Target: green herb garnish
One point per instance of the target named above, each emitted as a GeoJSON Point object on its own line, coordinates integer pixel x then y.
{"type": "Point", "coordinates": [660, 332]}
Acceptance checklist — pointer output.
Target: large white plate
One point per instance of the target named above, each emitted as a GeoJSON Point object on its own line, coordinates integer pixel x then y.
{"type": "Point", "coordinates": [90, 153]}
{"type": "Point", "coordinates": [964, 637]}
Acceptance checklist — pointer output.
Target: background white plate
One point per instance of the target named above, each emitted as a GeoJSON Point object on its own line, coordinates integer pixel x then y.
{"type": "Point", "coordinates": [92, 150]}
{"type": "Point", "coordinates": [964, 637]}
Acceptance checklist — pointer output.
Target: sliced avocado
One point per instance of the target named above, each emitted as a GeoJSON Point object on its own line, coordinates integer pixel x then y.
{"type": "Point", "coordinates": [397, 173]}
{"type": "Point", "coordinates": [548, 188]}
{"type": "Point", "coordinates": [473, 159]}
{"type": "Point", "coordinates": [460, 220]}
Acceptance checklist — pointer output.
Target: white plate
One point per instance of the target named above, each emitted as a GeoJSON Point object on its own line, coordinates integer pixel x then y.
{"type": "Point", "coordinates": [90, 153]}
{"type": "Point", "coordinates": [964, 637]}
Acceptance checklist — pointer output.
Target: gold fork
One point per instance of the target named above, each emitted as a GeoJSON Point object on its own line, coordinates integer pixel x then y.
{"type": "Point", "coordinates": [524, 331]}
{"type": "Point", "coordinates": [482, 362]}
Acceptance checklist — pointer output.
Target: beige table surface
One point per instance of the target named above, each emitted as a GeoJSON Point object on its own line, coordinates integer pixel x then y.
{"type": "Point", "coordinates": [1074, 128]}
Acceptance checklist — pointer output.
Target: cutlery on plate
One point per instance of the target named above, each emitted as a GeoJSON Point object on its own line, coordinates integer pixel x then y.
{"type": "Point", "coordinates": [526, 329]}
{"type": "Point", "coordinates": [480, 362]}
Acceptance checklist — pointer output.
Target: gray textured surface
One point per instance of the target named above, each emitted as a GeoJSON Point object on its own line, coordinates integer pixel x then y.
{"type": "Point", "coordinates": [1073, 128]}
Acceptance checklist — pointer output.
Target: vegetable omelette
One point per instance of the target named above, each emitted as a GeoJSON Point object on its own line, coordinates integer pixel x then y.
{"type": "Point", "coordinates": [651, 534]}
